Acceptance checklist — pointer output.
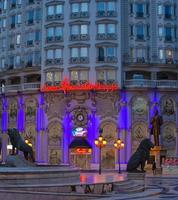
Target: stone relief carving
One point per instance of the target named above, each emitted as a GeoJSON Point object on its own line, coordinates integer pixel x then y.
{"type": "Point", "coordinates": [108, 158]}
{"type": "Point", "coordinates": [168, 107]}
{"type": "Point", "coordinates": [54, 134]}
{"type": "Point", "coordinates": [169, 136]}
{"type": "Point", "coordinates": [55, 105]}
{"type": "Point", "coordinates": [109, 131]}
{"type": "Point", "coordinates": [139, 132]}
{"type": "Point", "coordinates": [79, 117]}
{"type": "Point", "coordinates": [12, 110]}
{"type": "Point", "coordinates": [54, 156]}
{"type": "Point", "coordinates": [139, 107]}
{"type": "Point", "coordinates": [107, 104]}
{"type": "Point", "coordinates": [30, 108]}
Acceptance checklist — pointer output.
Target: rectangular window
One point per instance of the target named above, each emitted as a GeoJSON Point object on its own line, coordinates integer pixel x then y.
{"type": "Point", "coordinates": [111, 6]}
{"type": "Point", "coordinates": [101, 28]}
{"type": "Point", "coordinates": [110, 51]}
{"type": "Point", "coordinates": [58, 31]}
{"type": "Point", "coordinates": [84, 7]}
{"type": "Point", "coordinates": [111, 75]}
{"type": "Point", "coordinates": [75, 30]}
{"type": "Point", "coordinates": [59, 9]}
{"type": "Point", "coordinates": [50, 32]}
{"type": "Point", "coordinates": [161, 54]}
{"type": "Point", "coordinates": [18, 39]}
{"type": "Point", "coordinates": [50, 10]}
{"type": "Point", "coordinates": [19, 19]}
{"type": "Point", "coordinates": [160, 9]}
{"type": "Point", "coordinates": [75, 8]}
{"type": "Point", "coordinates": [17, 60]}
{"type": "Point", "coordinates": [84, 52]}
{"type": "Point", "coordinates": [58, 53]}
{"type": "Point", "coordinates": [50, 54]}
{"type": "Point", "coordinates": [101, 6]}
{"type": "Point", "coordinates": [84, 75]}
{"type": "Point", "coordinates": [75, 52]}
{"type": "Point", "coordinates": [84, 29]}
{"type": "Point", "coordinates": [111, 28]}
{"type": "Point", "coordinates": [37, 36]}
{"type": "Point", "coordinates": [74, 76]}
{"type": "Point", "coordinates": [57, 76]}
{"type": "Point", "coordinates": [161, 31]}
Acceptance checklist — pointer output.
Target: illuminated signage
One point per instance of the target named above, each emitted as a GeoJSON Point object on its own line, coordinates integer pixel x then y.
{"type": "Point", "coordinates": [66, 86]}
{"type": "Point", "coordinates": [79, 132]}
{"type": "Point", "coordinates": [81, 151]}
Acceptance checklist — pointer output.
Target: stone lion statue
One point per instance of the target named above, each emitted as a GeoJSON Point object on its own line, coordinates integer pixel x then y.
{"type": "Point", "coordinates": [19, 144]}
{"type": "Point", "coordinates": [140, 156]}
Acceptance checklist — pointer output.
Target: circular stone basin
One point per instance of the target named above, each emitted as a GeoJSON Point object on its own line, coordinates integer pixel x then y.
{"type": "Point", "coordinates": [39, 175]}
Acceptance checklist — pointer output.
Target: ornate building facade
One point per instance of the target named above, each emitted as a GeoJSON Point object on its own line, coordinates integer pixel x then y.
{"type": "Point", "coordinates": [129, 43]}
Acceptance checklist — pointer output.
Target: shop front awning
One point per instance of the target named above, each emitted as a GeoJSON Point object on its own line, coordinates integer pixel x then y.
{"type": "Point", "coordinates": [80, 143]}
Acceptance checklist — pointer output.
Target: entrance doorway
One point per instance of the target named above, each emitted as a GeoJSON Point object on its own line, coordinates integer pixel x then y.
{"type": "Point", "coordinates": [80, 157]}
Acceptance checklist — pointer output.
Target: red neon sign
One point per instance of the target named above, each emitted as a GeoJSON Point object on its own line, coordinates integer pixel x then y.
{"type": "Point", "coordinates": [66, 86]}
{"type": "Point", "coordinates": [82, 151]}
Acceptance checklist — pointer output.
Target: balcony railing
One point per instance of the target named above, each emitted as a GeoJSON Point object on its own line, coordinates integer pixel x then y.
{"type": "Point", "coordinates": [151, 83]}
{"type": "Point", "coordinates": [20, 87]}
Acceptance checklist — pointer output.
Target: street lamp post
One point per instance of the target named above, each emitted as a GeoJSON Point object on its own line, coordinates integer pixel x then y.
{"type": "Point", "coordinates": [118, 144]}
{"type": "Point", "coordinates": [100, 143]}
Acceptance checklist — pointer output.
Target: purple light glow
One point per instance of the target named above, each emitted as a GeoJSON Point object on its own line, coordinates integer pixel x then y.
{"type": "Point", "coordinates": [4, 119]}
{"type": "Point", "coordinates": [66, 137]}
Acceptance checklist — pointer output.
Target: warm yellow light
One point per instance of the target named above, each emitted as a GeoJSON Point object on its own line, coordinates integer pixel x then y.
{"type": "Point", "coordinates": [96, 142]}
{"type": "Point", "coordinates": [122, 145]}
{"type": "Point", "coordinates": [26, 141]}
{"type": "Point", "coordinates": [30, 144]}
{"type": "Point", "coordinates": [118, 141]}
{"type": "Point", "coordinates": [100, 138]}
{"type": "Point", "coordinates": [104, 142]}
{"type": "Point", "coordinates": [115, 145]}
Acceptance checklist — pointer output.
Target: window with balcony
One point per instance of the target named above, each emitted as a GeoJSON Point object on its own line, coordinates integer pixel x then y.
{"type": "Point", "coordinates": [13, 21]}
{"type": "Point", "coordinates": [79, 10]}
{"type": "Point", "coordinates": [169, 56]}
{"type": "Point", "coordinates": [140, 55]}
{"type": "Point", "coordinates": [53, 77]}
{"type": "Point", "coordinates": [30, 17]}
{"type": "Point", "coordinates": [18, 18]}
{"type": "Point", "coordinates": [106, 76]}
{"type": "Point", "coordinates": [79, 32]}
{"type": "Point", "coordinates": [29, 59]}
{"type": "Point", "coordinates": [79, 55]}
{"type": "Point", "coordinates": [18, 39]}
{"type": "Point", "coordinates": [160, 9]}
{"type": "Point", "coordinates": [139, 10]}
{"type": "Point", "coordinates": [54, 57]}
{"type": "Point", "coordinates": [54, 34]}
{"type": "Point", "coordinates": [106, 31]}
{"type": "Point", "coordinates": [12, 42]}
{"type": "Point", "coordinates": [107, 54]}
{"type": "Point", "coordinates": [13, 4]}
{"type": "Point", "coordinates": [11, 62]}
{"type": "Point", "coordinates": [55, 12]}
{"type": "Point", "coordinates": [2, 63]}
{"type": "Point", "coordinates": [17, 61]}
{"type": "Point", "coordinates": [168, 34]}
{"type": "Point", "coordinates": [140, 32]}
{"type": "Point", "coordinates": [107, 9]}
{"type": "Point", "coordinates": [168, 12]}
{"type": "Point", "coordinates": [30, 38]}
{"type": "Point", "coordinates": [78, 76]}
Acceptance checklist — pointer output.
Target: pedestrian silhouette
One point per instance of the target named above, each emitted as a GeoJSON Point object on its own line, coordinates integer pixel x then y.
{"type": "Point", "coordinates": [154, 168]}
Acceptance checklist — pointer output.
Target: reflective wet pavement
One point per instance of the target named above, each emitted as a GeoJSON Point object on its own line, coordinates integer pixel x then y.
{"type": "Point", "coordinates": [157, 187]}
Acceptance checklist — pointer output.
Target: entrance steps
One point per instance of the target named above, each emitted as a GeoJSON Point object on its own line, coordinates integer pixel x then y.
{"type": "Point", "coordinates": [128, 186]}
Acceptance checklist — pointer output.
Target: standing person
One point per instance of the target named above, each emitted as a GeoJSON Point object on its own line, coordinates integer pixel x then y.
{"type": "Point", "coordinates": [156, 123]}
{"type": "Point", "coordinates": [154, 168]}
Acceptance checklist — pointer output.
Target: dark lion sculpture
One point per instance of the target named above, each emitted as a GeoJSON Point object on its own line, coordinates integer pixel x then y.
{"type": "Point", "coordinates": [19, 144]}
{"type": "Point", "coordinates": [140, 156]}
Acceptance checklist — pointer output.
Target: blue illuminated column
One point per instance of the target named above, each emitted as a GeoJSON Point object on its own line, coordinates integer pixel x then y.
{"type": "Point", "coordinates": [41, 136]}
{"type": "Point", "coordinates": [177, 125]}
{"type": "Point", "coordinates": [67, 131]}
{"type": "Point", "coordinates": [93, 125]}
{"type": "Point", "coordinates": [123, 132]}
{"type": "Point", "coordinates": [20, 115]}
{"type": "Point", "coordinates": [153, 108]}
{"type": "Point", "coordinates": [4, 125]}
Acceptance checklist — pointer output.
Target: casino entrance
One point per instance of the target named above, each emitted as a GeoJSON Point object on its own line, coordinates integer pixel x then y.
{"type": "Point", "coordinates": [80, 150]}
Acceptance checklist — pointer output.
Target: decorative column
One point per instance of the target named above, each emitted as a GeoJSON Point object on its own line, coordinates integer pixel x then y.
{"type": "Point", "coordinates": [123, 127]}
{"type": "Point", "coordinates": [41, 137]}
{"type": "Point", "coordinates": [66, 137]}
{"type": "Point", "coordinates": [20, 115]}
{"type": "Point", "coordinates": [4, 125]}
{"type": "Point", "coordinates": [93, 125]}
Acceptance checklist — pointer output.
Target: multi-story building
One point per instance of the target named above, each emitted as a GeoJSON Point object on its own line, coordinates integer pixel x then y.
{"type": "Point", "coordinates": [131, 43]}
